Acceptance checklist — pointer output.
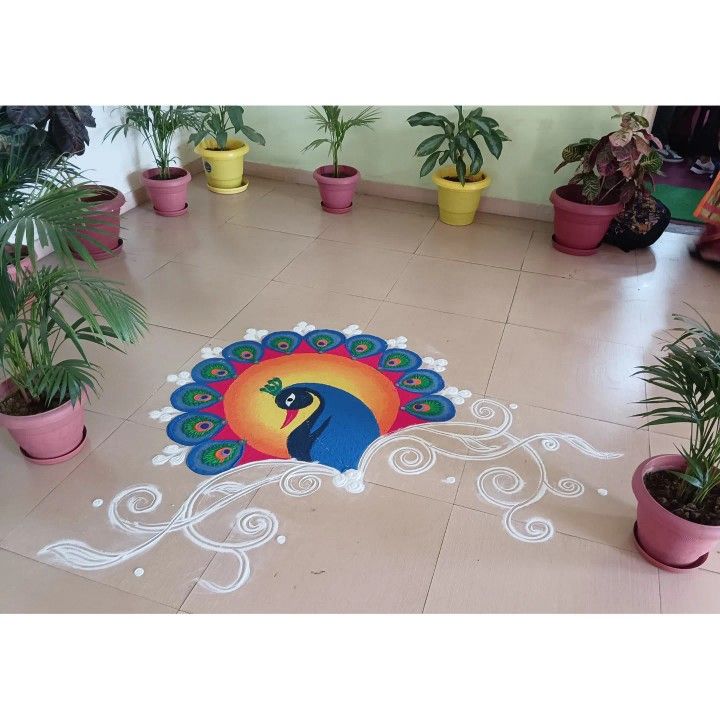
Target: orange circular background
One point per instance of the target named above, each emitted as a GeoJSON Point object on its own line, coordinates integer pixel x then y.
{"type": "Point", "coordinates": [254, 416]}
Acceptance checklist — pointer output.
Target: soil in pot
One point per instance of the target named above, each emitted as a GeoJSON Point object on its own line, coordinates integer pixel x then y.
{"type": "Point", "coordinates": [338, 176]}
{"type": "Point", "coordinates": [467, 180]}
{"type": "Point", "coordinates": [666, 489]}
{"type": "Point", "coordinates": [17, 406]}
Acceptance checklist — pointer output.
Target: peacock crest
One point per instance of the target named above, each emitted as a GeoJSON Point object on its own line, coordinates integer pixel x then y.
{"type": "Point", "coordinates": [323, 396]}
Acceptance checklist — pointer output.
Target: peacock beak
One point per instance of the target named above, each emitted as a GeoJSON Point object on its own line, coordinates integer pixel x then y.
{"type": "Point", "coordinates": [289, 417]}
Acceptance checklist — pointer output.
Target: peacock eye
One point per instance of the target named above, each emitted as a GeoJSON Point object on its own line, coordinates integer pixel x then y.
{"type": "Point", "coordinates": [290, 399]}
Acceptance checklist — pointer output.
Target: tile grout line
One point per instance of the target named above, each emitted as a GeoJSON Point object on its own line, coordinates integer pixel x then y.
{"type": "Point", "coordinates": [437, 559]}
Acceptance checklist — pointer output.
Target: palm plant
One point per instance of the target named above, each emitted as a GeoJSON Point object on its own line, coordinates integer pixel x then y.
{"type": "Point", "coordinates": [688, 373]}
{"type": "Point", "coordinates": [158, 126]}
{"type": "Point", "coordinates": [331, 121]}
{"type": "Point", "coordinates": [459, 141]}
{"type": "Point", "coordinates": [219, 122]}
{"type": "Point", "coordinates": [34, 329]}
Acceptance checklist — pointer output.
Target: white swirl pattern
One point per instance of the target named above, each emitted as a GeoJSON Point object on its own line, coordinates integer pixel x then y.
{"type": "Point", "coordinates": [412, 451]}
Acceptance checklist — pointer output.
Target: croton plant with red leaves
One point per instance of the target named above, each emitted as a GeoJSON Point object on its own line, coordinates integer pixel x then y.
{"type": "Point", "coordinates": [619, 164]}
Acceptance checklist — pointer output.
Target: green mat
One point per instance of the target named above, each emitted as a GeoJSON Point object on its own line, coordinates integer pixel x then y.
{"type": "Point", "coordinates": [680, 200]}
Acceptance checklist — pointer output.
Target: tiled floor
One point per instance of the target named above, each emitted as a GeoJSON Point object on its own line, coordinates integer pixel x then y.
{"type": "Point", "coordinates": [549, 339]}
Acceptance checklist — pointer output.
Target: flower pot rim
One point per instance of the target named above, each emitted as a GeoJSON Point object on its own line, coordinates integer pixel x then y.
{"type": "Point", "coordinates": [240, 148]}
{"type": "Point", "coordinates": [668, 461]}
{"type": "Point", "coordinates": [113, 194]}
{"type": "Point", "coordinates": [350, 179]}
{"type": "Point", "coordinates": [582, 208]}
{"type": "Point", "coordinates": [439, 177]}
{"type": "Point", "coordinates": [19, 421]}
{"type": "Point", "coordinates": [182, 177]}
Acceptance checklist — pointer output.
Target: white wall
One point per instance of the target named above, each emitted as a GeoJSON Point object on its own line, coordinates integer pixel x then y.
{"type": "Point", "coordinates": [120, 163]}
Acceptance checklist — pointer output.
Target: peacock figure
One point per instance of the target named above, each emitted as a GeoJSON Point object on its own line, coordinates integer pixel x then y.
{"type": "Point", "coordinates": [319, 397]}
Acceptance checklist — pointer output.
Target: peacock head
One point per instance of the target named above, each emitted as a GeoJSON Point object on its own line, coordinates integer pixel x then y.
{"type": "Point", "coordinates": [292, 400]}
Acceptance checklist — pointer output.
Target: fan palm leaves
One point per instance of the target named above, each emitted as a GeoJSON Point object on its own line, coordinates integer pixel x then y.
{"type": "Point", "coordinates": [34, 327]}
{"type": "Point", "coordinates": [331, 121]}
{"type": "Point", "coordinates": [158, 125]}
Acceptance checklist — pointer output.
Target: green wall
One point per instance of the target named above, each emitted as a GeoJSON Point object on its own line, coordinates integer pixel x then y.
{"type": "Point", "coordinates": [524, 171]}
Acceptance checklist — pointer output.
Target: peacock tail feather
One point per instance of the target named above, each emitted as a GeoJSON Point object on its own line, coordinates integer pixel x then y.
{"type": "Point", "coordinates": [364, 346]}
{"type": "Point", "coordinates": [284, 342]}
{"type": "Point", "coordinates": [245, 351]}
{"type": "Point", "coordinates": [324, 340]}
{"type": "Point", "coordinates": [213, 370]}
{"type": "Point", "coordinates": [214, 456]}
{"type": "Point", "coordinates": [194, 428]}
{"type": "Point", "coordinates": [398, 360]}
{"type": "Point", "coordinates": [433, 408]}
{"type": "Point", "coordinates": [194, 397]}
{"type": "Point", "coordinates": [423, 382]}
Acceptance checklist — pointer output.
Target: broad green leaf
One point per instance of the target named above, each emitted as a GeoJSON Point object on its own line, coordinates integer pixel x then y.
{"type": "Point", "coordinates": [429, 145]}
{"type": "Point", "coordinates": [429, 163]}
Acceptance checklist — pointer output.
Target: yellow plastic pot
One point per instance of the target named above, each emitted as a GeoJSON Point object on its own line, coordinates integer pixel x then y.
{"type": "Point", "coordinates": [458, 203]}
{"type": "Point", "coordinates": [224, 168]}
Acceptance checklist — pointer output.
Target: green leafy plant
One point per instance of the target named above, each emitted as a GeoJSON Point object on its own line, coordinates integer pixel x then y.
{"type": "Point", "coordinates": [457, 143]}
{"type": "Point", "coordinates": [616, 166]}
{"type": "Point", "coordinates": [331, 121]}
{"type": "Point", "coordinates": [158, 126]}
{"type": "Point", "coordinates": [219, 123]}
{"type": "Point", "coordinates": [688, 374]}
{"type": "Point", "coordinates": [34, 329]}
{"type": "Point", "coordinates": [52, 130]}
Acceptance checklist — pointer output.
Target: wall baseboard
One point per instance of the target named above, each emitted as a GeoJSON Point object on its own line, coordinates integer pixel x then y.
{"type": "Point", "coordinates": [410, 193]}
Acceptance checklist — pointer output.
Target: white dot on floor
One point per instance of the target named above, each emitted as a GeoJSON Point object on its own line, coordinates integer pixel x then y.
{"type": "Point", "coordinates": [97, 502]}
{"type": "Point", "coordinates": [513, 406]}
{"type": "Point", "coordinates": [602, 491]}
{"type": "Point", "coordinates": [281, 539]}
{"type": "Point", "coordinates": [449, 480]}
{"type": "Point", "coordinates": [138, 572]}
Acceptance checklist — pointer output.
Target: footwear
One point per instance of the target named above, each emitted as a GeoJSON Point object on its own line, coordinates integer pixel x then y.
{"type": "Point", "coordinates": [703, 168]}
{"type": "Point", "coordinates": [669, 155]}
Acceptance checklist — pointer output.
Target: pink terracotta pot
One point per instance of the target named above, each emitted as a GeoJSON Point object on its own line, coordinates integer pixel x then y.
{"type": "Point", "coordinates": [337, 193]}
{"type": "Point", "coordinates": [664, 539]}
{"type": "Point", "coordinates": [25, 264]}
{"type": "Point", "coordinates": [49, 437]}
{"type": "Point", "coordinates": [103, 227]}
{"type": "Point", "coordinates": [169, 197]}
{"type": "Point", "coordinates": [579, 228]}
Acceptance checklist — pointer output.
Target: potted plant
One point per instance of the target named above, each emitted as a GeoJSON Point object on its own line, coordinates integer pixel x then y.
{"type": "Point", "coordinates": [42, 395]}
{"type": "Point", "coordinates": [337, 182]}
{"type": "Point", "coordinates": [461, 184]}
{"type": "Point", "coordinates": [158, 125]}
{"type": "Point", "coordinates": [36, 142]}
{"type": "Point", "coordinates": [41, 402]}
{"type": "Point", "coordinates": [609, 173]}
{"type": "Point", "coordinates": [678, 514]}
{"type": "Point", "coordinates": [222, 153]}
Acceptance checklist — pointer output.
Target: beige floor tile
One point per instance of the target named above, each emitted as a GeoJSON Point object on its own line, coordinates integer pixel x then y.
{"type": "Point", "coordinates": [382, 203]}
{"type": "Point", "coordinates": [172, 565]}
{"type": "Point", "coordinates": [579, 376]}
{"type": "Point", "coordinates": [456, 287]}
{"type": "Point", "coordinates": [129, 267]}
{"type": "Point", "coordinates": [468, 344]}
{"type": "Point", "coordinates": [279, 306]}
{"type": "Point", "coordinates": [130, 378]}
{"type": "Point", "coordinates": [372, 227]}
{"type": "Point", "coordinates": [296, 213]}
{"type": "Point", "coordinates": [482, 569]}
{"type": "Point", "coordinates": [601, 509]}
{"type": "Point", "coordinates": [248, 250]}
{"type": "Point", "coordinates": [505, 221]}
{"type": "Point", "coordinates": [696, 592]}
{"type": "Point", "coordinates": [196, 299]}
{"type": "Point", "coordinates": [609, 263]}
{"type": "Point", "coordinates": [370, 552]}
{"type": "Point", "coordinates": [614, 311]}
{"type": "Point", "coordinates": [23, 485]}
{"type": "Point", "coordinates": [478, 243]}
{"type": "Point", "coordinates": [352, 270]}
{"type": "Point", "coordinates": [32, 587]}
